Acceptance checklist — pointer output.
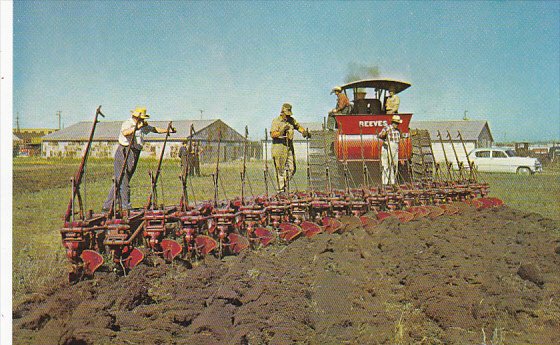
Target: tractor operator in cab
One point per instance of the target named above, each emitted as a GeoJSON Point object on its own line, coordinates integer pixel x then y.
{"type": "Point", "coordinates": [282, 134]}
{"type": "Point", "coordinates": [343, 107]}
{"type": "Point", "coordinates": [391, 136]}
{"type": "Point", "coordinates": [392, 103]}
{"type": "Point", "coordinates": [136, 122]}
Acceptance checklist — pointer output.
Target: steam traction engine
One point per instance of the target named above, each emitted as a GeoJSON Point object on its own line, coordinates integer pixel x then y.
{"type": "Point", "coordinates": [352, 151]}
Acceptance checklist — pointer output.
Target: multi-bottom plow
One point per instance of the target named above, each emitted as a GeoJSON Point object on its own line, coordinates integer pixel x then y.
{"type": "Point", "coordinates": [229, 230]}
{"type": "Point", "coordinates": [192, 231]}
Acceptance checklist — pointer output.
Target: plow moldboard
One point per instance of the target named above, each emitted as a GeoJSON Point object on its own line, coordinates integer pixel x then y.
{"type": "Point", "coordinates": [419, 211]}
{"type": "Point", "coordinates": [92, 260]}
{"type": "Point", "coordinates": [205, 244]}
{"type": "Point", "coordinates": [450, 209]}
{"type": "Point", "coordinates": [368, 221]}
{"type": "Point", "coordinates": [264, 236]}
{"type": "Point", "coordinates": [310, 229]}
{"type": "Point", "coordinates": [134, 258]}
{"type": "Point", "coordinates": [237, 243]}
{"type": "Point", "coordinates": [331, 225]}
{"type": "Point", "coordinates": [170, 249]}
{"type": "Point", "coordinates": [289, 231]}
{"type": "Point", "coordinates": [403, 216]}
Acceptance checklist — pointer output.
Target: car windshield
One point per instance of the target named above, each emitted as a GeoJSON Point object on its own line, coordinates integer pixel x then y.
{"type": "Point", "coordinates": [510, 153]}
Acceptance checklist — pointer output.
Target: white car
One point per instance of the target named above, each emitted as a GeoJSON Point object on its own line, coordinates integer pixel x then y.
{"type": "Point", "coordinates": [498, 159]}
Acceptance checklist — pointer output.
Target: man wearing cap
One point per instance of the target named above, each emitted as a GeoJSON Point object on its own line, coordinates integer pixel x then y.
{"type": "Point", "coordinates": [343, 106]}
{"type": "Point", "coordinates": [391, 136]}
{"type": "Point", "coordinates": [282, 134]}
{"type": "Point", "coordinates": [133, 130]}
{"type": "Point", "coordinates": [183, 154]}
{"type": "Point", "coordinates": [392, 103]}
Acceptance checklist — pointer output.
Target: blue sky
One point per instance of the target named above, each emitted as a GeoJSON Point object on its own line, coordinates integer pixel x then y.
{"type": "Point", "coordinates": [239, 61]}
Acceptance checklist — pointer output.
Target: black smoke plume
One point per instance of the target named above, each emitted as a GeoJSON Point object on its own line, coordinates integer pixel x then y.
{"type": "Point", "coordinates": [358, 71]}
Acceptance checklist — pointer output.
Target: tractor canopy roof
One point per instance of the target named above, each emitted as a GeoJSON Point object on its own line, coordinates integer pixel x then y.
{"type": "Point", "coordinates": [379, 84]}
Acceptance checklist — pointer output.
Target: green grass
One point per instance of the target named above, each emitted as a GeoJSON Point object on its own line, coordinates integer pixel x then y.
{"type": "Point", "coordinates": [41, 192]}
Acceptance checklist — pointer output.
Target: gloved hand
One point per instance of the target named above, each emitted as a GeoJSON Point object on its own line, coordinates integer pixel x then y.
{"type": "Point", "coordinates": [306, 134]}
{"type": "Point", "coordinates": [286, 128]}
{"type": "Point", "coordinates": [172, 130]}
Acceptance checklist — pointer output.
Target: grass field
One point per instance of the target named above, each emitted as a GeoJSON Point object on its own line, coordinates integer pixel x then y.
{"type": "Point", "coordinates": [41, 192]}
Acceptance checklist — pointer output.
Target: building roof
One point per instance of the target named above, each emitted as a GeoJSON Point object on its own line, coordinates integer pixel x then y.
{"type": "Point", "coordinates": [31, 135]}
{"type": "Point", "coordinates": [109, 130]}
{"type": "Point", "coordinates": [470, 130]}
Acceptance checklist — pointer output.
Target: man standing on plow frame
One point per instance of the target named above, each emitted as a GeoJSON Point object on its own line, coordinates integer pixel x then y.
{"type": "Point", "coordinates": [138, 121]}
{"type": "Point", "coordinates": [282, 134]}
{"type": "Point", "coordinates": [390, 150]}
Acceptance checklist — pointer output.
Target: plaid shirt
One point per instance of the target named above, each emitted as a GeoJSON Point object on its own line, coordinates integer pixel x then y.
{"type": "Point", "coordinates": [393, 135]}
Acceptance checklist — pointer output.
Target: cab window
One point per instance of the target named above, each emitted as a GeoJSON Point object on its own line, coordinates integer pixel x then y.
{"type": "Point", "coordinates": [483, 154]}
{"type": "Point", "coordinates": [499, 154]}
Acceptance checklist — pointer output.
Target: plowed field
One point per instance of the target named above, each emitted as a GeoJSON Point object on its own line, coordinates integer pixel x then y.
{"type": "Point", "coordinates": [481, 276]}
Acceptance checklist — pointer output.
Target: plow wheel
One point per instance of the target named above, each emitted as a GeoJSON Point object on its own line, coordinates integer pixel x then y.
{"type": "Point", "coordinates": [205, 244]}
{"type": "Point", "coordinates": [310, 229]}
{"type": "Point", "coordinates": [264, 236]}
{"type": "Point", "coordinates": [170, 249]}
{"type": "Point", "coordinates": [331, 225]}
{"type": "Point", "coordinates": [289, 231]}
{"type": "Point", "coordinates": [237, 243]}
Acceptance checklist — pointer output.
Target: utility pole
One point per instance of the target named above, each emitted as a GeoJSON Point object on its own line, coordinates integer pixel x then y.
{"type": "Point", "coordinates": [465, 118]}
{"type": "Point", "coordinates": [201, 111]}
{"type": "Point", "coordinates": [17, 123]}
{"type": "Point", "coordinates": [59, 114]}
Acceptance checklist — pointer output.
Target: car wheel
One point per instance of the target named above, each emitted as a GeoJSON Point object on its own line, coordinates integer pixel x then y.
{"type": "Point", "coordinates": [523, 171]}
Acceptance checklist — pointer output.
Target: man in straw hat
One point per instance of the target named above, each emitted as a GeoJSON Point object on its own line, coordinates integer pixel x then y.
{"type": "Point", "coordinates": [343, 106]}
{"type": "Point", "coordinates": [282, 134]}
{"type": "Point", "coordinates": [127, 133]}
{"type": "Point", "coordinates": [391, 136]}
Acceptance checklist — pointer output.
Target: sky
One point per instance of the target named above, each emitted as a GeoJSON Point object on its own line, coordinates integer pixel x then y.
{"type": "Point", "coordinates": [239, 61]}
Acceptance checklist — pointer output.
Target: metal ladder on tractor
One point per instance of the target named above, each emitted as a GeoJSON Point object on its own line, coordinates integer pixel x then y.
{"type": "Point", "coordinates": [322, 156]}
{"type": "Point", "coordinates": [423, 162]}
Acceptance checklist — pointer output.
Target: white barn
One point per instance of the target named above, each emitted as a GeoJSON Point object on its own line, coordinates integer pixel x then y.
{"type": "Point", "coordinates": [71, 141]}
{"type": "Point", "coordinates": [475, 134]}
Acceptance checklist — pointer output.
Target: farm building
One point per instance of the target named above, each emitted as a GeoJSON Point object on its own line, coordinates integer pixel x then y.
{"type": "Point", "coordinates": [27, 141]}
{"type": "Point", "coordinates": [300, 143]}
{"type": "Point", "coordinates": [475, 134]}
{"type": "Point", "coordinates": [71, 141]}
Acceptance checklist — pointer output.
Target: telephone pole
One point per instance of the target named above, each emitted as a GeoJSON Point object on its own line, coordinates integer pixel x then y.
{"type": "Point", "coordinates": [17, 123]}
{"type": "Point", "coordinates": [59, 114]}
{"type": "Point", "coordinates": [201, 111]}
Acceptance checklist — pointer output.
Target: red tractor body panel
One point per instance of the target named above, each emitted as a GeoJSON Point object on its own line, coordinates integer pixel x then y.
{"type": "Point", "coordinates": [357, 133]}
